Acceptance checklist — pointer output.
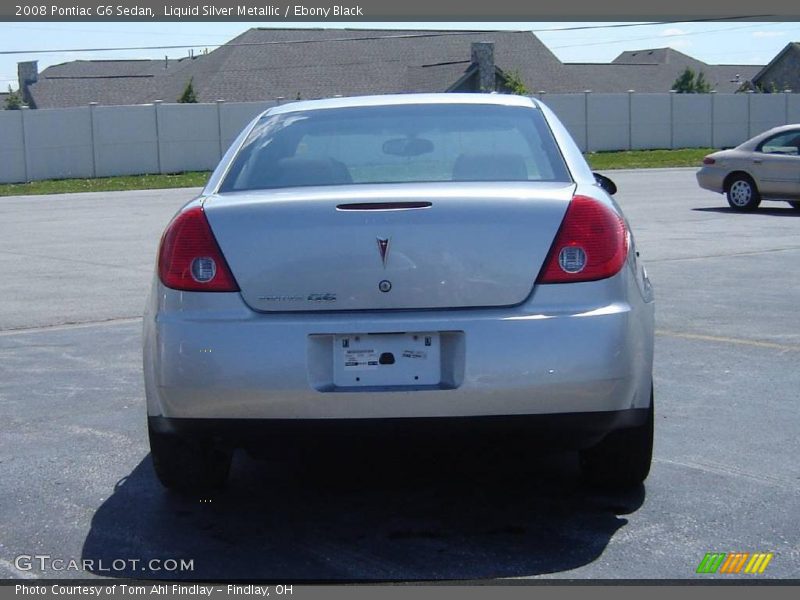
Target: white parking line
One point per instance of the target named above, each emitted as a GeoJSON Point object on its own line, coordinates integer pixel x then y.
{"type": "Point", "coordinates": [62, 326]}
{"type": "Point", "coordinates": [728, 340]}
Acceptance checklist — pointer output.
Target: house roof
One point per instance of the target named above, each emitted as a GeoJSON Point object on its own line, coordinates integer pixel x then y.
{"type": "Point", "coordinates": [791, 46]}
{"type": "Point", "coordinates": [263, 64]}
{"type": "Point", "coordinates": [655, 70]}
{"type": "Point", "coordinates": [652, 56]}
{"type": "Point", "coordinates": [657, 77]}
{"type": "Point", "coordinates": [106, 82]}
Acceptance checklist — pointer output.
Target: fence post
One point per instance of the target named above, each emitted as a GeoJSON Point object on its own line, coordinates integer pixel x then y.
{"type": "Point", "coordinates": [22, 112]}
{"type": "Point", "coordinates": [713, 102]}
{"type": "Point", "coordinates": [586, 118]}
{"type": "Point", "coordinates": [672, 119]}
{"type": "Point", "coordinates": [786, 93]}
{"type": "Point", "coordinates": [219, 127]}
{"type": "Point", "coordinates": [92, 106]}
{"type": "Point", "coordinates": [630, 119]}
{"type": "Point", "coordinates": [156, 104]}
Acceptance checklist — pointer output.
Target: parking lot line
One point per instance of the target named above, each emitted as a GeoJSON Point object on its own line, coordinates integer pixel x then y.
{"type": "Point", "coordinates": [62, 326]}
{"type": "Point", "coordinates": [728, 340]}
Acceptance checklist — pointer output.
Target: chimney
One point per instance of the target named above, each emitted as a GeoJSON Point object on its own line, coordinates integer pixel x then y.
{"type": "Point", "coordinates": [27, 73]}
{"type": "Point", "coordinates": [483, 58]}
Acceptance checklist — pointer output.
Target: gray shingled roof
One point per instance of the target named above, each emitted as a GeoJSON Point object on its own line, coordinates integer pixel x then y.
{"type": "Point", "coordinates": [759, 77]}
{"type": "Point", "coordinates": [263, 64]}
{"type": "Point", "coordinates": [266, 63]}
{"type": "Point", "coordinates": [655, 70]}
{"type": "Point", "coordinates": [312, 63]}
{"type": "Point", "coordinates": [107, 82]}
{"type": "Point", "coordinates": [656, 78]}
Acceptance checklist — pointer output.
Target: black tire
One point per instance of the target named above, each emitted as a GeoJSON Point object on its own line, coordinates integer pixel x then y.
{"type": "Point", "coordinates": [795, 204]}
{"type": "Point", "coordinates": [188, 465]}
{"type": "Point", "coordinates": [742, 193]}
{"type": "Point", "coordinates": [622, 460]}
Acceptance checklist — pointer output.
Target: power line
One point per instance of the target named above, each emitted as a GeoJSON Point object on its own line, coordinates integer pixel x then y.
{"type": "Point", "coordinates": [707, 31]}
{"type": "Point", "coordinates": [373, 37]}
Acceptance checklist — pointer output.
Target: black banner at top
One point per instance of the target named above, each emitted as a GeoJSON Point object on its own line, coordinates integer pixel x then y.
{"type": "Point", "coordinates": [393, 10]}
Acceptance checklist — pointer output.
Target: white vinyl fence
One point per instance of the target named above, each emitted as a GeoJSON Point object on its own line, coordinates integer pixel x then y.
{"type": "Point", "coordinates": [99, 141]}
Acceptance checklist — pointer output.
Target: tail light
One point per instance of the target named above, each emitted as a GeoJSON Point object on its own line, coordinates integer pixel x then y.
{"type": "Point", "coordinates": [190, 259]}
{"type": "Point", "coordinates": [709, 161]}
{"type": "Point", "coordinates": [591, 244]}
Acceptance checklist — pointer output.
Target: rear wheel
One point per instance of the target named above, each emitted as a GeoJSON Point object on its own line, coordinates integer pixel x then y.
{"type": "Point", "coordinates": [185, 464]}
{"type": "Point", "coordinates": [622, 459]}
{"type": "Point", "coordinates": [742, 193]}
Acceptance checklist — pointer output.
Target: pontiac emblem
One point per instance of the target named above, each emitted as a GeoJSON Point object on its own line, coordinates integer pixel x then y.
{"type": "Point", "coordinates": [383, 248]}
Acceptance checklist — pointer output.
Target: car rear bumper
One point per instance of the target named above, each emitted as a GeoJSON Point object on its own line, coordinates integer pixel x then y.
{"type": "Point", "coordinates": [208, 356]}
{"type": "Point", "coordinates": [572, 430]}
{"type": "Point", "coordinates": [710, 178]}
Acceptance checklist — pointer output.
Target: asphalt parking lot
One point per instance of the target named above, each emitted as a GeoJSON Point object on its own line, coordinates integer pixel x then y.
{"type": "Point", "coordinates": [76, 480]}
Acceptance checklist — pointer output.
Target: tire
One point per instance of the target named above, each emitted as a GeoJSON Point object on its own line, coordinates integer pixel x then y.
{"type": "Point", "coordinates": [742, 193]}
{"type": "Point", "coordinates": [622, 460]}
{"type": "Point", "coordinates": [189, 465]}
{"type": "Point", "coordinates": [795, 204]}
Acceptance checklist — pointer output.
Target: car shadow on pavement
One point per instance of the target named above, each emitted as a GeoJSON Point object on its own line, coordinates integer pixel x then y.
{"type": "Point", "coordinates": [775, 211]}
{"type": "Point", "coordinates": [425, 515]}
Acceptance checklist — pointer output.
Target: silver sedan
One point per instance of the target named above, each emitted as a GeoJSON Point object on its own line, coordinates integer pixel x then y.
{"type": "Point", "coordinates": [766, 167]}
{"type": "Point", "coordinates": [400, 264]}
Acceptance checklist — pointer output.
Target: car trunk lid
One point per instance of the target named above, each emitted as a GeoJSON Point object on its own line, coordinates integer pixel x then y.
{"type": "Point", "coordinates": [377, 247]}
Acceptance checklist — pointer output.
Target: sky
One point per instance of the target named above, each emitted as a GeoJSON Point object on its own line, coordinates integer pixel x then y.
{"type": "Point", "coordinates": [712, 42]}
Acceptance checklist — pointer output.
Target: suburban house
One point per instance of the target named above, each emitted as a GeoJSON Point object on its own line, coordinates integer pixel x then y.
{"type": "Point", "coordinates": [655, 70]}
{"type": "Point", "coordinates": [782, 73]}
{"type": "Point", "coordinates": [267, 64]}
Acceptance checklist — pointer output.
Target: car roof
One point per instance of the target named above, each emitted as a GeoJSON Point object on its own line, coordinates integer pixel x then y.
{"type": "Point", "coordinates": [404, 99]}
{"type": "Point", "coordinates": [756, 139]}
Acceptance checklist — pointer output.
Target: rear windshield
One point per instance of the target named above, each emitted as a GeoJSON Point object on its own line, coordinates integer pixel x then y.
{"type": "Point", "coordinates": [397, 144]}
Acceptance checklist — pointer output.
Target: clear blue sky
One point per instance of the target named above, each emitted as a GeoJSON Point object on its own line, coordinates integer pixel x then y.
{"type": "Point", "coordinates": [712, 42]}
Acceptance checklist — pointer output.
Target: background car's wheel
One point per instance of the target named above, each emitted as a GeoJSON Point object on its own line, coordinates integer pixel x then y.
{"type": "Point", "coordinates": [742, 193]}
{"type": "Point", "coordinates": [795, 204]}
{"type": "Point", "coordinates": [622, 459]}
{"type": "Point", "coordinates": [188, 465]}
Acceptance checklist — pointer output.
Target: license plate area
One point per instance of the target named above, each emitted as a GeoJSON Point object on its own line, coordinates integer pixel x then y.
{"type": "Point", "coordinates": [387, 359]}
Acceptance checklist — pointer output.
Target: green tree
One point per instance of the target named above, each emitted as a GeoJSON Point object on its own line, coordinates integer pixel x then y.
{"type": "Point", "coordinates": [701, 86]}
{"type": "Point", "coordinates": [188, 96]}
{"type": "Point", "coordinates": [690, 83]}
{"type": "Point", "coordinates": [514, 84]}
{"type": "Point", "coordinates": [765, 88]}
{"type": "Point", "coordinates": [13, 100]}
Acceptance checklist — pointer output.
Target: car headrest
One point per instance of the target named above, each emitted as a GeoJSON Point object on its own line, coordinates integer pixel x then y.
{"type": "Point", "coordinates": [298, 171]}
{"type": "Point", "coordinates": [490, 167]}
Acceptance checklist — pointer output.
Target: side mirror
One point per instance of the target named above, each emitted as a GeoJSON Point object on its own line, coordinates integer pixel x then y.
{"type": "Point", "coordinates": [604, 182]}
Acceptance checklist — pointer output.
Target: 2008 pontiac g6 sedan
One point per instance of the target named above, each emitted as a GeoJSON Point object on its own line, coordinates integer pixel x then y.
{"type": "Point", "coordinates": [405, 263]}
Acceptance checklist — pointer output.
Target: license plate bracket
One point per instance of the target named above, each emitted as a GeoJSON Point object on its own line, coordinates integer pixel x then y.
{"type": "Point", "coordinates": [387, 359]}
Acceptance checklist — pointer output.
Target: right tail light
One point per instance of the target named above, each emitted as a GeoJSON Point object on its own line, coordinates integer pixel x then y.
{"type": "Point", "coordinates": [591, 244]}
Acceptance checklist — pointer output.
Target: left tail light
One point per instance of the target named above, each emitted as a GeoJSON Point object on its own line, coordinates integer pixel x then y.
{"type": "Point", "coordinates": [190, 259]}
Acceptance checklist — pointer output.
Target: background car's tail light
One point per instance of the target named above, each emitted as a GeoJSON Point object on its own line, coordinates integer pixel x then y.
{"type": "Point", "coordinates": [190, 259]}
{"type": "Point", "coordinates": [591, 244]}
{"type": "Point", "coordinates": [709, 161]}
